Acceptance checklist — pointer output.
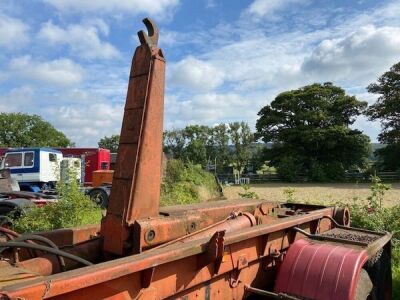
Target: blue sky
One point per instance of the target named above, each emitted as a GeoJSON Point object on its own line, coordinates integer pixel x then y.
{"type": "Point", "coordinates": [68, 60]}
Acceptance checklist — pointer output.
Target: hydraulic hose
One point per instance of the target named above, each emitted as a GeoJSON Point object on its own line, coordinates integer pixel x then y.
{"type": "Point", "coordinates": [9, 231]}
{"type": "Point", "coordinates": [35, 237]}
{"type": "Point", "coordinates": [46, 249]}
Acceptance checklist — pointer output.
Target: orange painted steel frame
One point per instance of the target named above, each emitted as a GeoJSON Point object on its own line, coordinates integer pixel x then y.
{"type": "Point", "coordinates": [209, 250]}
{"type": "Point", "coordinates": [248, 256]}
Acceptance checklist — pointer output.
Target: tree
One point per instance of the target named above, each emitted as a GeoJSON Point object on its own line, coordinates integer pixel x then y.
{"type": "Point", "coordinates": [202, 145]}
{"type": "Point", "coordinates": [257, 160]}
{"type": "Point", "coordinates": [388, 157]}
{"type": "Point", "coordinates": [24, 130]}
{"type": "Point", "coordinates": [242, 139]}
{"type": "Point", "coordinates": [174, 143]}
{"type": "Point", "coordinates": [387, 107]}
{"type": "Point", "coordinates": [191, 144]}
{"type": "Point", "coordinates": [110, 142]}
{"type": "Point", "coordinates": [197, 137]}
{"type": "Point", "coordinates": [309, 128]}
{"type": "Point", "coordinates": [220, 141]}
{"type": "Point", "coordinates": [387, 110]}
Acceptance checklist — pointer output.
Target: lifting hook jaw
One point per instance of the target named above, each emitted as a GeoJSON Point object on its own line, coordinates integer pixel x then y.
{"type": "Point", "coordinates": [150, 39]}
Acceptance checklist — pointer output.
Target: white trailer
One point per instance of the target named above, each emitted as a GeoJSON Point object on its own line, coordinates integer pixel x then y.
{"type": "Point", "coordinates": [34, 168]}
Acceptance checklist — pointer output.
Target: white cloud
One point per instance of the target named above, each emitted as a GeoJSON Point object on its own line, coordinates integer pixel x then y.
{"type": "Point", "coordinates": [86, 123]}
{"type": "Point", "coordinates": [364, 96]}
{"type": "Point", "coordinates": [100, 24]}
{"type": "Point", "coordinates": [352, 54]}
{"type": "Point", "coordinates": [133, 7]}
{"type": "Point", "coordinates": [83, 40]}
{"type": "Point", "coordinates": [60, 71]}
{"type": "Point", "coordinates": [196, 74]}
{"type": "Point", "coordinates": [168, 38]}
{"type": "Point", "coordinates": [262, 8]}
{"type": "Point", "coordinates": [360, 55]}
{"type": "Point", "coordinates": [211, 3]}
{"type": "Point", "coordinates": [17, 99]}
{"type": "Point", "coordinates": [249, 64]}
{"type": "Point", "coordinates": [370, 128]}
{"type": "Point", "coordinates": [83, 115]}
{"type": "Point", "coordinates": [13, 32]}
{"type": "Point", "coordinates": [211, 108]}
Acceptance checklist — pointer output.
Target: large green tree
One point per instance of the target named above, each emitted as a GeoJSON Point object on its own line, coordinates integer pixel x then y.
{"type": "Point", "coordinates": [110, 142]}
{"type": "Point", "coordinates": [242, 139]}
{"type": "Point", "coordinates": [197, 138]}
{"type": "Point", "coordinates": [387, 110]}
{"type": "Point", "coordinates": [220, 141]}
{"type": "Point", "coordinates": [23, 130]}
{"type": "Point", "coordinates": [309, 129]}
{"type": "Point", "coordinates": [174, 143]}
{"type": "Point", "coordinates": [192, 143]}
{"type": "Point", "coordinates": [225, 144]}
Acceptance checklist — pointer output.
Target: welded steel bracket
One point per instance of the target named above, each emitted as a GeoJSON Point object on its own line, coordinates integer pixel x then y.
{"type": "Point", "coordinates": [214, 253]}
{"type": "Point", "coordinates": [234, 277]}
{"type": "Point", "coordinates": [147, 277]}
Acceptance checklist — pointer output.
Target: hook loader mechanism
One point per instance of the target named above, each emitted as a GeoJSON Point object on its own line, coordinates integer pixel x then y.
{"type": "Point", "coordinates": [216, 250]}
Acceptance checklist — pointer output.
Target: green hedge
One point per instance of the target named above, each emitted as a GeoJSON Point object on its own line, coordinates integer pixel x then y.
{"type": "Point", "coordinates": [184, 182]}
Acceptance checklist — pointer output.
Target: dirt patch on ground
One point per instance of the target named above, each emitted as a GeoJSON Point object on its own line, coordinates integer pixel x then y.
{"type": "Point", "coordinates": [326, 193]}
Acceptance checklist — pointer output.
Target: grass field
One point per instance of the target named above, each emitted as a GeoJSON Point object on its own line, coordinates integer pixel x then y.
{"type": "Point", "coordinates": [316, 192]}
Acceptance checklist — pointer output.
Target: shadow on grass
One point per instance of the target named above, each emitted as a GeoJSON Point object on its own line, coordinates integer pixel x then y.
{"type": "Point", "coordinates": [396, 281]}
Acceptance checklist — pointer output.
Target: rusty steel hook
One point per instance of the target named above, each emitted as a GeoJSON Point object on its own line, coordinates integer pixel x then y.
{"type": "Point", "coordinates": [151, 39]}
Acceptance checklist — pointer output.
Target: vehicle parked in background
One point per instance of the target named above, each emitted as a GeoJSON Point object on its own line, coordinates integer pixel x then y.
{"type": "Point", "coordinates": [71, 166]}
{"type": "Point", "coordinates": [92, 159]}
{"type": "Point", "coordinates": [101, 187]}
{"type": "Point", "coordinates": [35, 169]}
{"type": "Point", "coordinates": [14, 200]}
{"type": "Point", "coordinates": [38, 169]}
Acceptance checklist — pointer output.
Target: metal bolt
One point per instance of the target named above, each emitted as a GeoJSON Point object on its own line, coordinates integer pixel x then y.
{"type": "Point", "coordinates": [193, 226]}
{"type": "Point", "coordinates": [150, 235]}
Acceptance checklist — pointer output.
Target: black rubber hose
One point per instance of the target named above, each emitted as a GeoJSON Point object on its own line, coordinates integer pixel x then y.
{"type": "Point", "coordinates": [35, 237]}
{"type": "Point", "coordinates": [5, 220]}
{"type": "Point", "coordinates": [31, 237]}
{"type": "Point", "coordinates": [46, 249]}
{"type": "Point", "coordinates": [9, 231]}
{"type": "Point", "coordinates": [12, 235]}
